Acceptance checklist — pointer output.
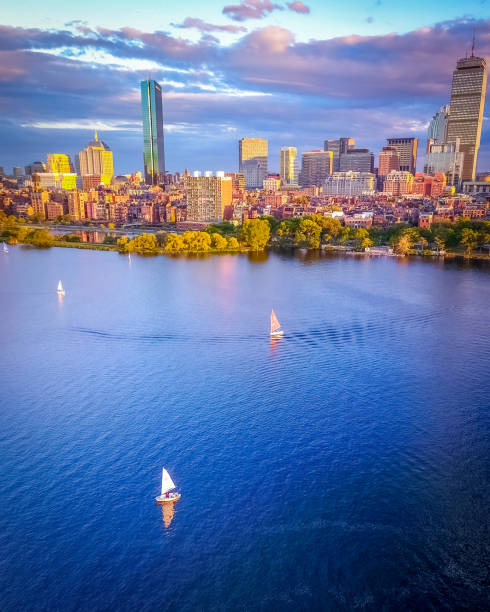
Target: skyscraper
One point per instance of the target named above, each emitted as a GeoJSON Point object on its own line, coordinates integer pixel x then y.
{"type": "Point", "coordinates": [207, 196]}
{"type": "Point", "coordinates": [288, 167]}
{"type": "Point", "coordinates": [315, 167]}
{"type": "Point", "coordinates": [407, 149]}
{"type": "Point", "coordinates": [437, 131]}
{"type": "Point", "coordinates": [96, 160]}
{"type": "Point", "coordinates": [253, 161]}
{"type": "Point", "coordinates": [357, 160]}
{"type": "Point", "coordinates": [153, 147]}
{"type": "Point", "coordinates": [389, 159]}
{"type": "Point", "coordinates": [59, 162]}
{"type": "Point", "coordinates": [466, 110]}
{"type": "Point", "coordinates": [338, 148]}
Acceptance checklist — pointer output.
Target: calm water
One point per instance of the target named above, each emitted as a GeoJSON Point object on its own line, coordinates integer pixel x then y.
{"type": "Point", "coordinates": [346, 466]}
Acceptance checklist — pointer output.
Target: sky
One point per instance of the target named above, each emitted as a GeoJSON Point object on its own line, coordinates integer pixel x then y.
{"type": "Point", "coordinates": [293, 72]}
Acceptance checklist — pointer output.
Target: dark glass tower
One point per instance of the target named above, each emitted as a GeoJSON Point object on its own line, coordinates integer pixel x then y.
{"type": "Point", "coordinates": [153, 151]}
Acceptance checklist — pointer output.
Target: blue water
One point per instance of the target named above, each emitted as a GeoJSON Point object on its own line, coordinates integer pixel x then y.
{"type": "Point", "coordinates": [345, 466]}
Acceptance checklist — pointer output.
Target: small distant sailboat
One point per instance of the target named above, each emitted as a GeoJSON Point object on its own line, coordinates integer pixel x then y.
{"type": "Point", "coordinates": [4, 248]}
{"type": "Point", "coordinates": [276, 330]}
{"type": "Point", "coordinates": [167, 486]}
{"type": "Point", "coordinates": [60, 290]}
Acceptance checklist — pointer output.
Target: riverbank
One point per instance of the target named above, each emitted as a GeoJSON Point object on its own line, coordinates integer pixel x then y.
{"type": "Point", "coordinates": [329, 250]}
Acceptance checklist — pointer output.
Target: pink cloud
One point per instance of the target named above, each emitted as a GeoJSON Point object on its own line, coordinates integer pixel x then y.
{"type": "Point", "coordinates": [203, 26]}
{"type": "Point", "coordinates": [298, 7]}
{"type": "Point", "coordinates": [250, 9]}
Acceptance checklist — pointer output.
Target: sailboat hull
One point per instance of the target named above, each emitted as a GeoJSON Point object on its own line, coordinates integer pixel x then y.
{"type": "Point", "coordinates": [172, 497]}
{"type": "Point", "coordinates": [277, 334]}
{"type": "Point", "coordinates": [62, 292]}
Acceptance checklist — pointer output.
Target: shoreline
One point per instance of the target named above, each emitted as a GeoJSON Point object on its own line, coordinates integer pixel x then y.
{"type": "Point", "coordinates": [327, 250]}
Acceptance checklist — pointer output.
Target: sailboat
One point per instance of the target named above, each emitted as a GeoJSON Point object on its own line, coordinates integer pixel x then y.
{"type": "Point", "coordinates": [60, 291]}
{"type": "Point", "coordinates": [167, 486]}
{"type": "Point", "coordinates": [276, 330]}
{"type": "Point", "coordinates": [4, 248]}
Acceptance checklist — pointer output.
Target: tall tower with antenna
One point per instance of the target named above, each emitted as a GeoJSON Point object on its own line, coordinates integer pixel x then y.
{"type": "Point", "coordinates": [466, 108]}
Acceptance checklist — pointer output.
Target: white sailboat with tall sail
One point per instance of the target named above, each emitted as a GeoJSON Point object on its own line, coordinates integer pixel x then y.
{"type": "Point", "coordinates": [4, 248]}
{"type": "Point", "coordinates": [60, 289]}
{"type": "Point", "coordinates": [276, 330]}
{"type": "Point", "coordinates": [168, 494]}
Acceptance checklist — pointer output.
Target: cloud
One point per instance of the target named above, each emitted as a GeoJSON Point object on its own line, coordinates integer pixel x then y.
{"type": "Point", "coordinates": [250, 9]}
{"type": "Point", "coordinates": [64, 83]}
{"type": "Point", "coordinates": [203, 26]}
{"type": "Point", "coordinates": [298, 7]}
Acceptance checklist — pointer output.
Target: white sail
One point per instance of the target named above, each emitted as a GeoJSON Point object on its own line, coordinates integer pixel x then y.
{"type": "Point", "coordinates": [167, 482]}
{"type": "Point", "coordinates": [60, 287]}
{"type": "Point", "coordinates": [5, 250]}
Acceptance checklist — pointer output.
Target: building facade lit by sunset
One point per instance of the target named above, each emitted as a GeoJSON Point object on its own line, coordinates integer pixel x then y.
{"type": "Point", "coordinates": [153, 143]}
{"type": "Point", "coordinates": [407, 150]}
{"type": "Point", "coordinates": [96, 160]}
{"type": "Point", "coordinates": [253, 156]}
{"type": "Point", "coordinates": [466, 110]}
{"type": "Point", "coordinates": [207, 196]}
{"type": "Point", "coordinates": [288, 167]}
{"type": "Point", "coordinates": [315, 167]}
{"type": "Point", "coordinates": [389, 159]}
{"type": "Point", "coordinates": [59, 162]}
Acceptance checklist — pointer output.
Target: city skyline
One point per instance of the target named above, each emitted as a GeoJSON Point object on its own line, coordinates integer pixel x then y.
{"type": "Point", "coordinates": [258, 78]}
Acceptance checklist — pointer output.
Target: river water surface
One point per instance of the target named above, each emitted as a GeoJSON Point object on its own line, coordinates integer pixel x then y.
{"type": "Point", "coordinates": [345, 466]}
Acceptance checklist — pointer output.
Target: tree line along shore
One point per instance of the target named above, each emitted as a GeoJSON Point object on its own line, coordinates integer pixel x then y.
{"type": "Point", "coordinates": [466, 236]}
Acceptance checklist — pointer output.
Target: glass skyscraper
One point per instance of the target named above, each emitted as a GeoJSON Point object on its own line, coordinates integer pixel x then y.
{"type": "Point", "coordinates": [153, 151]}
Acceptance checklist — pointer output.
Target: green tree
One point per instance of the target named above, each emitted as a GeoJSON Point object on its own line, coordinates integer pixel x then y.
{"type": "Point", "coordinates": [218, 242]}
{"type": "Point", "coordinates": [344, 234]}
{"type": "Point", "coordinates": [143, 243]}
{"type": "Point", "coordinates": [255, 233]}
{"type": "Point", "coordinates": [440, 244]}
{"type": "Point", "coordinates": [403, 243]}
{"type": "Point", "coordinates": [308, 234]}
{"type": "Point", "coordinates": [360, 234]}
{"type": "Point", "coordinates": [469, 238]}
{"type": "Point", "coordinates": [196, 241]}
{"type": "Point", "coordinates": [122, 244]}
{"type": "Point", "coordinates": [233, 244]}
{"type": "Point", "coordinates": [41, 238]}
{"type": "Point", "coordinates": [366, 243]}
{"type": "Point", "coordinates": [174, 243]}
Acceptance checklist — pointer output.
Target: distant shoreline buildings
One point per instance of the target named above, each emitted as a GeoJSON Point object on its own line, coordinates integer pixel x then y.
{"type": "Point", "coordinates": [341, 171]}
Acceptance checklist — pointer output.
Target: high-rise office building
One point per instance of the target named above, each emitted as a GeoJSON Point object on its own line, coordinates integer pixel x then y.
{"type": "Point", "coordinates": [153, 145]}
{"type": "Point", "coordinates": [288, 167]}
{"type": "Point", "coordinates": [466, 110]}
{"type": "Point", "coordinates": [437, 131]}
{"type": "Point", "coordinates": [253, 161]}
{"type": "Point", "coordinates": [389, 159]}
{"type": "Point", "coordinates": [17, 172]}
{"type": "Point", "coordinates": [207, 196]}
{"type": "Point", "coordinates": [96, 160]}
{"type": "Point", "coordinates": [338, 148]}
{"type": "Point", "coordinates": [445, 158]}
{"type": "Point", "coordinates": [315, 167]}
{"type": "Point", "coordinates": [36, 166]}
{"type": "Point", "coordinates": [357, 160]}
{"type": "Point", "coordinates": [407, 149]}
{"type": "Point", "coordinates": [59, 163]}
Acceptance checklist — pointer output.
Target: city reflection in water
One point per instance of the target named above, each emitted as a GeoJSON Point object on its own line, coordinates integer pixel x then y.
{"type": "Point", "coordinates": [168, 510]}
